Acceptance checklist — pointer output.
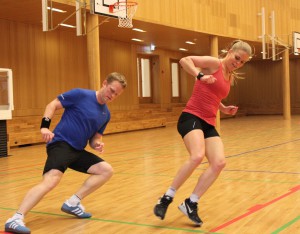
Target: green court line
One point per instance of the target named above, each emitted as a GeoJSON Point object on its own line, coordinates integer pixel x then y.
{"type": "Point", "coordinates": [123, 222]}
{"type": "Point", "coordinates": [286, 225]}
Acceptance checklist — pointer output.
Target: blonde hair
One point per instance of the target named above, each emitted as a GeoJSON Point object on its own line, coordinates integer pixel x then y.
{"type": "Point", "coordinates": [241, 45]}
{"type": "Point", "coordinates": [115, 76]}
{"type": "Point", "coordinates": [235, 46]}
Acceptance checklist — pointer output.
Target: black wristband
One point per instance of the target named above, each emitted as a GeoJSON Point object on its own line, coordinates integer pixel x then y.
{"type": "Point", "coordinates": [45, 122]}
{"type": "Point", "coordinates": [200, 75]}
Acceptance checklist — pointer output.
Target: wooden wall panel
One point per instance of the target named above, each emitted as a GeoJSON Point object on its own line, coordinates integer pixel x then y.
{"type": "Point", "coordinates": [117, 57]}
{"type": "Point", "coordinates": [260, 91]}
{"type": "Point", "coordinates": [43, 64]}
{"type": "Point", "coordinates": [295, 85]}
{"type": "Point", "coordinates": [5, 58]}
{"type": "Point", "coordinates": [294, 21]}
{"type": "Point", "coordinates": [47, 63]}
{"type": "Point", "coordinates": [234, 18]}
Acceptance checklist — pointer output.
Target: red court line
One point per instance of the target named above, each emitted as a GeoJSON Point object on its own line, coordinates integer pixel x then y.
{"type": "Point", "coordinates": [255, 209]}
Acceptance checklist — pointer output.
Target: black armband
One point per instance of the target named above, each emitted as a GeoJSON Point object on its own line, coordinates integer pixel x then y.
{"type": "Point", "coordinates": [200, 75]}
{"type": "Point", "coordinates": [45, 122]}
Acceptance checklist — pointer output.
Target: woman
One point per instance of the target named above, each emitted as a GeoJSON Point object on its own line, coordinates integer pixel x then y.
{"type": "Point", "coordinates": [197, 122]}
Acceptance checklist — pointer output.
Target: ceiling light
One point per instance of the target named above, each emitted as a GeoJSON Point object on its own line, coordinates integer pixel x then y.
{"type": "Point", "coordinates": [55, 9]}
{"type": "Point", "coordinates": [68, 25]}
{"type": "Point", "coordinates": [138, 30]}
{"type": "Point", "coordinates": [182, 49]}
{"type": "Point", "coordinates": [190, 42]}
{"type": "Point", "coordinates": [135, 39]}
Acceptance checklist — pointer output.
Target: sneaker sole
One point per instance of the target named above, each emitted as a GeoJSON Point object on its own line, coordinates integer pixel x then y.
{"type": "Point", "coordinates": [158, 215]}
{"type": "Point", "coordinates": [182, 208]}
{"type": "Point", "coordinates": [10, 230]}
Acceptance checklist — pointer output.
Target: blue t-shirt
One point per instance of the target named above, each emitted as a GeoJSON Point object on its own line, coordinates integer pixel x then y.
{"type": "Point", "coordinates": [82, 118]}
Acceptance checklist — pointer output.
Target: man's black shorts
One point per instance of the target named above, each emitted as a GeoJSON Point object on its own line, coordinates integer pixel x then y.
{"type": "Point", "coordinates": [62, 156]}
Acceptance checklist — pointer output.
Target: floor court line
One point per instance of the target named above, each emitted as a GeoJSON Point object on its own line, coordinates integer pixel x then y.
{"type": "Point", "coordinates": [123, 222]}
{"type": "Point", "coordinates": [263, 148]}
{"type": "Point", "coordinates": [286, 225]}
{"type": "Point", "coordinates": [255, 209]}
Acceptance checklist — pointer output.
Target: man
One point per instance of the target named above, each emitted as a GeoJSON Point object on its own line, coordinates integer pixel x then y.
{"type": "Point", "coordinates": [84, 120]}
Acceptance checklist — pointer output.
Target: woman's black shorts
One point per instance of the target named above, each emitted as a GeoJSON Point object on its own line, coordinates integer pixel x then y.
{"type": "Point", "coordinates": [188, 122]}
{"type": "Point", "coordinates": [62, 156]}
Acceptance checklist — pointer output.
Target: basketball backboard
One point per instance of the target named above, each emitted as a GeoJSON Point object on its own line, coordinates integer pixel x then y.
{"type": "Point", "coordinates": [296, 43]}
{"type": "Point", "coordinates": [101, 7]}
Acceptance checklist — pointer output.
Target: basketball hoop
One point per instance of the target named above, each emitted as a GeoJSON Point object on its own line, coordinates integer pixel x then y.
{"type": "Point", "coordinates": [125, 21]}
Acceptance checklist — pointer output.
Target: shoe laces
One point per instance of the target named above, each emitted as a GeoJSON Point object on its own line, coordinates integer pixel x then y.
{"type": "Point", "coordinates": [193, 206]}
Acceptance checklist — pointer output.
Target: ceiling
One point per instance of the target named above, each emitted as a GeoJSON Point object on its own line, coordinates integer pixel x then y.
{"type": "Point", "coordinates": [164, 37]}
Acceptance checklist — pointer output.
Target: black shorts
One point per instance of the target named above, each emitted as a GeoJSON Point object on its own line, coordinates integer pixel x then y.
{"type": "Point", "coordinates": [188, 122]}
{"type": "Point", "coordinates": [62, 156]}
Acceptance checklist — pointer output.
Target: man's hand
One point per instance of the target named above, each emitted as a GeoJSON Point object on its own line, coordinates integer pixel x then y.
{"type": "Point", "coordinates": [99, 146]}
{"type": "Point", "coordinates": [47, 135]}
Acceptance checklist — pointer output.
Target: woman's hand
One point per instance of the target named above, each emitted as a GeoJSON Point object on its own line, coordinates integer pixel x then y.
{"type": "Point", "coordinates": [229, 110]}
{"type": "Point", "coordinates": [208, 79]}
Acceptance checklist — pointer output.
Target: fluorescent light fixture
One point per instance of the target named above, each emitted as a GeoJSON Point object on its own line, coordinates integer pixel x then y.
{"type": "Point", "coordinates": [152, 47]}
{"type": "Point", "coordinates": [182, 49]}
{"type": "Point", "coordinates": [138, 30]}
{"type": "Point", "coordinates": [190, 42]}
{"type": "Point", "coordinates": [55, 9]}
{"type": "Point", "coordinates": [135, 39]}
{"type": "Point", "coordinates": [68, 25]}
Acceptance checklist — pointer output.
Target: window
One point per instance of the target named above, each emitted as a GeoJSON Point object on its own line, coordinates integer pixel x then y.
{"type": "Point", "coordinates": [175, 75]}
{"type": "Point", "coordinates": [144, 79]}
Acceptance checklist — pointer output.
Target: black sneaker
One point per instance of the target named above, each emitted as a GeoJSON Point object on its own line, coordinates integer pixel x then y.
{"type": "Point", "coordinates": [162, 205]}
{"type": "Point", "coordinates": [190, 209]}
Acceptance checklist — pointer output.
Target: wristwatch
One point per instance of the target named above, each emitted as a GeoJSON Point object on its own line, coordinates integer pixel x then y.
{"type": "Point", "coordinates": [200, 75]}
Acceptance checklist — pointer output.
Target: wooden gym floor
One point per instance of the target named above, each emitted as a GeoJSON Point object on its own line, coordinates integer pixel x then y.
{"type": "Point", "coordinates": [258, 191]}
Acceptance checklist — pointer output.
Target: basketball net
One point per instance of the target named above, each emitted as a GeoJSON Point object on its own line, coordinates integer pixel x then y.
{"type": "Point", "coordinates": [129, 7]}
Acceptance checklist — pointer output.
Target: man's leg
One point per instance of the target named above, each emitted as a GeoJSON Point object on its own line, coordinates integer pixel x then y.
{"type": "Point", "coordinates": [100, 174]}
{"type": "Point", "coordinates": [33, 196]}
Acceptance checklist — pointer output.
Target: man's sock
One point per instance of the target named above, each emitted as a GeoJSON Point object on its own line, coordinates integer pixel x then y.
{"type": "Point", "coordinates": [74, 200]}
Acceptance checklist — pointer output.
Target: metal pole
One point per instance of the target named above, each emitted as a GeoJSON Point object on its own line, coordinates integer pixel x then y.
{"type": "Point", "coordinates": [273, 35]}
{"type": "Point", "coordinates": [263, 29]}
{"type": "Point", "coordinates": [45, 15]}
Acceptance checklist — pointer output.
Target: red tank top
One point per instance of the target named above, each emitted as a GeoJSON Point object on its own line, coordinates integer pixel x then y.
{"type": "Point", "coordinates": [205, 100]}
